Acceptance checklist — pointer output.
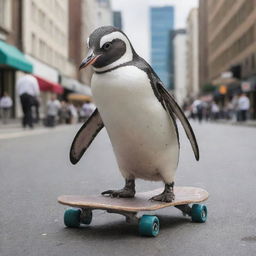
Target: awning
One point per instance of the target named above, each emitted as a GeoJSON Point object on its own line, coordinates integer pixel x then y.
{"type": "Point", "coordinates": [75, 86]}
{"type": "Point", "coordinates": [11, 56]}
{"type": "Point", "coordinates": [79, 97]}
{"type": "Point", "coordinates": [46, 85]}
{"type": "Point", "coordinates": [225, 81]}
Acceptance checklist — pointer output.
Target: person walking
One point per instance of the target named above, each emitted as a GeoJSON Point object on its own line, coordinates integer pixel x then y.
{"type": "Point", "coordinates": [243, 107]}
{"type": "Point", "coordinates": [215, 110]}
{"type": "Point", "coordinates": [88, 109]}
{"type": "Point", "coordinates": [53, 107]}
{"type": "Point", "coordinates": [28, 90]}
{"type": "Point", "coordinates": [73, 113]}
{"type": "Point", "coordinates": [5, 106]}
{"type": "Point", "coordinates": [197, 108]}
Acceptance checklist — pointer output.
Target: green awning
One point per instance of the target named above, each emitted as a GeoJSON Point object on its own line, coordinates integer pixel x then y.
{"type": "Point", "coordinates": [11, 56]}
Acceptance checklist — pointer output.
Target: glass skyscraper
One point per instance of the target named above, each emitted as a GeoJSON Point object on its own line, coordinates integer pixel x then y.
{"type": "Point", "coordinates": [162, 25]}
{"type": "Point", "coordinates": [117, 18]}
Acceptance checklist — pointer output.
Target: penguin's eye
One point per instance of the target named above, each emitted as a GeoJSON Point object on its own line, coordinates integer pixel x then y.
{"type": "Point", "coordinates": [106, 46]}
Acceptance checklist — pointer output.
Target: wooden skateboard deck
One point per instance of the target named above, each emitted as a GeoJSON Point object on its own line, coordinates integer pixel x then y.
{"type": "Point", "coordinates": [141, 202]}
{"type": "Point", "coordinates": [129, 207]}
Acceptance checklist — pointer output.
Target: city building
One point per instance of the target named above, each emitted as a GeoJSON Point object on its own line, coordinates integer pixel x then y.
{"type": "Point", "coordinates": [192, 54]}
{"type": "Point", "coordinates": [231, 40]}
{"type": "Point", "coordinates": [75, 55]}
{"type": "Point", "coordinates": [117, 19]}
{"type": "Point", "coordinates": [45, 43]}
{"type": "Point", "coordinates": [12, 60]}
{"type": "Point", "coordinates": [95, 13]}
{"type": "Point", "coordinates": [45, 36]}
{"type": "Point", "coordinates": [161, 26]}
{"type": "Point", "coordinates": [180, 72]}
{"type": "Point", "coordinates": [203, 43]}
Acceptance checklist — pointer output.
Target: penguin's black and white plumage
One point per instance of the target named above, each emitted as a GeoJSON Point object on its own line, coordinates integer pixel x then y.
{"type": "Point", "coordinates": [137, 111]}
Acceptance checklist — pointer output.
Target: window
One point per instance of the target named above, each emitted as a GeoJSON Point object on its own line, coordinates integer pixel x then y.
{"type": "Point", "coordinates": [41, 49]}
{"type": "Point", "coordinates": [33, 44]}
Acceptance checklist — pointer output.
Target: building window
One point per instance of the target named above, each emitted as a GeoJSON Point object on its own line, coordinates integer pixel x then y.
{"type": "Point", "coordinates": [41, 49]}
{"type": "Point", "coordinates": [33, 42]}
{"type": "Point", "coordinates": [51, 28]}
{"type": "Point", "coordinates": [33, 11]}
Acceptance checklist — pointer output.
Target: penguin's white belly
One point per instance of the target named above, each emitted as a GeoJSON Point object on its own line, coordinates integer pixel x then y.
{"type": "Point", "coordinates": [142, 134]}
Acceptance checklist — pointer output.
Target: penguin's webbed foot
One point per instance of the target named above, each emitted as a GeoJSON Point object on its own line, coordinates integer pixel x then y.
{"type": "Point", "coordinates": [167, 195]}
{"type": "Point", "coordinates": [122, 193]}
{"type": "Point", "coordinates": [127, 192]}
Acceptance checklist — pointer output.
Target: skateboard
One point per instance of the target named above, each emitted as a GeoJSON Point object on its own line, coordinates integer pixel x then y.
{"type": "Point", "coordinates": [82, 207]}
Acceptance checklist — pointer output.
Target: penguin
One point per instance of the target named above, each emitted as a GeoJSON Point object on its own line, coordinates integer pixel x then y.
{"type": "Point", "coordinates": [137, 111]}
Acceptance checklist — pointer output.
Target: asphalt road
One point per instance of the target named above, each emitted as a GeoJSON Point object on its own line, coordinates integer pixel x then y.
{"type": "Point", "coordinates": [35, 170]}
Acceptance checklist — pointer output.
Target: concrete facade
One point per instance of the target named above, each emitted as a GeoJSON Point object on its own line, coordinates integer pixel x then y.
{"type": "Point", "coordinates": [5, 19]}
{"type": "Point", "coordinates": [45, 33]}
{"type": "Point", "coordinates": [203, 43]}
{"type": "Point", "coordinates": [95, 13]}
{"type": "Point", "coordinates": [10, 33]}
{"type": "Point", "coordinates": [192, 54]}
{"type": "Point", "coordinates": [75, 34]}
{"type": "Point", "coordinates": [180, 72]}
{"type": "Point", "coordinates": [232, 34]}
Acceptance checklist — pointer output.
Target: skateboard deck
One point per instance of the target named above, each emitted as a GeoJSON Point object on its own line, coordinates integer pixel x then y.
{"type": "Point", "coordinates": [129, 207]}
{"type": "Point", "coordinates": [141, 202]}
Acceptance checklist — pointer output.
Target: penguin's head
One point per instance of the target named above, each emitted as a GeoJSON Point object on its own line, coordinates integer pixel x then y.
{"type": "Point", "coordinates": [108, 47]}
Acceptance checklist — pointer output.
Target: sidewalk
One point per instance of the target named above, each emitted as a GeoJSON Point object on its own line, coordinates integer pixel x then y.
{"type": "Point", "coordinates": [249, 123]}
{"type": "Point", "coordinates": [14, 129]}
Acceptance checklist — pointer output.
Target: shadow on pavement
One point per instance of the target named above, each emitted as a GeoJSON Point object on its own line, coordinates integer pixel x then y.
{"type": "Point", "coordinates": [120, 229]}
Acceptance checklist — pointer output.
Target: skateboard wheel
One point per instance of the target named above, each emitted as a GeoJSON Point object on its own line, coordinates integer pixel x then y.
{"type": "Point", "coordinates": [72, 218]}
{"type": "Point", "coordinates": [149, 225]}
{"type": "Point", "coordinates": [86, 216]}
{"type": "Point", "coordinates": [199, 213]}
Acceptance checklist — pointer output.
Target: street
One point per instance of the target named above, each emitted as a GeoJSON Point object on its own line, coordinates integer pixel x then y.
{"type": "Point", "coordinates": [35, 170]}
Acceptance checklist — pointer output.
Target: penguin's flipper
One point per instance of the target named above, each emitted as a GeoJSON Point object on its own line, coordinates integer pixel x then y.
{"type": "Point", "coordinates": [85, 136]}
{"type": "Point", "coordinates": [173, 107]}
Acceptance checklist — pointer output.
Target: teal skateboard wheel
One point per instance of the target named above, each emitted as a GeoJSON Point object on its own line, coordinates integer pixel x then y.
{"type": "Point", "coordinates": [72, 218]}
{"type": "Point", "coordinates": [199, 213]}
{"type": "Point", "coordinates": [149, 225]}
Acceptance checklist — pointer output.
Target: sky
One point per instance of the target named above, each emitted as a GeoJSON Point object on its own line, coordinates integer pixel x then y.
{"type": "Point", "coordinates": [136, 23]}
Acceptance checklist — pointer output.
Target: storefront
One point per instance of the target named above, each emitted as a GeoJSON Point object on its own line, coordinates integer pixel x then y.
{"type": "Point", "coordinates": [72, 86]}
{"type": "Point", "coordinates": [249, 87]}
{"type": "Point", "coordinates": [11, 60]}
{"type": "Point", "coordinates": [48, 80]}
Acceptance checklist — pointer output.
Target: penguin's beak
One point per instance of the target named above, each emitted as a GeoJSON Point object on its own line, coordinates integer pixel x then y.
{"type": "Point", "coordinates": [90, 59]}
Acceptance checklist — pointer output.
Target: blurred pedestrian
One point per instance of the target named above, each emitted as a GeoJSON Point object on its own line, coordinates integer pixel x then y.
{"type": "Point", "coordinates": [28, 90]}
{"type": "Point", "coordinates": [197, 109]}
{"type": "Point", "coordinates": [230, 110]}
{"type": "Point", "coordinates": [243, 107]}
{"type": "Point", "coordinates": [215, 111]}
{"type": "Point", "coordinates": [235, 107]}
{"type": "Point", "coordinates": [53, 107]}
{"type": "Point", "coordinates": [73, 113]}
{"type": "Point", "coordinates": [64, 114]}
{"type": "Point", "coordinates": [207, 111]}
{"type": "Point", "coordinates": [88, 109]}
{"type": "Point", "coordinates": [5, 106]}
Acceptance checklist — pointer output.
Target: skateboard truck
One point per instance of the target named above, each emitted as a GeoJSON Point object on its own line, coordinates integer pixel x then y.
{"type": "Point", "coordinates": [131, 217]}
{"type": "Point", "coordinates": [185, 208]}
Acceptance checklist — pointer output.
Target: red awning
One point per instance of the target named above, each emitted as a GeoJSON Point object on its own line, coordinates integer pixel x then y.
{"type": "Point", "coordinates": [46, 85]}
